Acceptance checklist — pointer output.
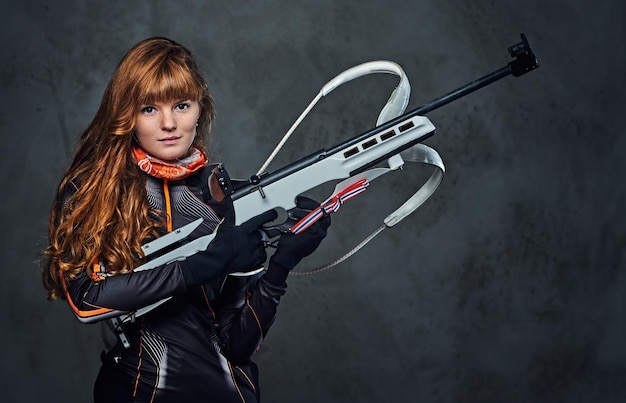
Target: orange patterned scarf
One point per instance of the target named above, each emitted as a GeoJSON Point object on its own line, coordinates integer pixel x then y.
{"type": "Point", "coordinates": [166, 170]}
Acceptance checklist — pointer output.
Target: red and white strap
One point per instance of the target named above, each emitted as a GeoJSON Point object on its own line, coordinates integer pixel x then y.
{"type": "Point", "coordinates": [331, 206]}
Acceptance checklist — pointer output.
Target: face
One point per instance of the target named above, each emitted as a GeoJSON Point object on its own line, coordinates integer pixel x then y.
{"type": "Point", "coordinates": [166, 130]}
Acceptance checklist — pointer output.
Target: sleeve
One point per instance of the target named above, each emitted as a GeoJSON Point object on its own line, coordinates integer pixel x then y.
{"type": "Point", "coordinates": [246, 312]}
{"type": "Point", "coordinates": [101, 296]}
{"type": "Point", "coordinates": [93, 299]}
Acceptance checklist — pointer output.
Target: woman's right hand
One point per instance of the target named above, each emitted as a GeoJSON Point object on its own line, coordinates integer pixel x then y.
{"type": "Point", "coordinates": [243, 245]}
{"type": "Point", "coordinates": [234, 248]}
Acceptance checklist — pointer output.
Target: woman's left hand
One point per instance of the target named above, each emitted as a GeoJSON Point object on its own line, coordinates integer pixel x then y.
{"type": "Point", "coordinates": [293, 248]}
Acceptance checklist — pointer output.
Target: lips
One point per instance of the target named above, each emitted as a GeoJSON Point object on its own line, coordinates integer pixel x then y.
{"type": "Point", "coordinates": [170, 140]}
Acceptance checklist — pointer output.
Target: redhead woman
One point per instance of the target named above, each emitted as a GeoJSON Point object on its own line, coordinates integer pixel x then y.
{"type": "Point", "coordinates": [141, 170]}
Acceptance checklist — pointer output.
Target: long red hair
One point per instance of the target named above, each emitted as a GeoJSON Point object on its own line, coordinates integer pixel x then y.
{"type": "Point", "coordinates": [101, 212]}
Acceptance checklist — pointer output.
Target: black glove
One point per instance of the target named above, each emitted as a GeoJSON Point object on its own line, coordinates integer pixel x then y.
{"type": "Point", "coordinates": [293, 248]}
{"type": "Point", "coordinates": [234, 248]}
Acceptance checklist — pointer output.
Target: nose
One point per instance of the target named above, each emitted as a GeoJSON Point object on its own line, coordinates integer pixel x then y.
{"type": "Point", "coordinates": [168, 121]}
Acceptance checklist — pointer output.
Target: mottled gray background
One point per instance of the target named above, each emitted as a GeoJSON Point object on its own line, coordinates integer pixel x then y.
{"type": "Point", "coordinates": [507, 286]}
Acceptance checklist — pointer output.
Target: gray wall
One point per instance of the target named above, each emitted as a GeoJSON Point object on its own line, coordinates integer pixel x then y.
{"type": "Point", "coordinates": [508, 285]}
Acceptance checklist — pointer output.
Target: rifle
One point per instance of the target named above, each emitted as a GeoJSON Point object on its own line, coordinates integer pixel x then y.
{"type": "Point", "coordinates": [351, 160]}
{"type": "Point", "coordinates": [394, 139]}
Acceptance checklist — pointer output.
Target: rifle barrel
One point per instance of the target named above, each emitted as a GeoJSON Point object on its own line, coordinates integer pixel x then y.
{"type": "Point", "coordinates": [463, 91]}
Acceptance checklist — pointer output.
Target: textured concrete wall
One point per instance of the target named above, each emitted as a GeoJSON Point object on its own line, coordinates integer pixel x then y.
{"type": "Point", "coordinates": [508, 285]}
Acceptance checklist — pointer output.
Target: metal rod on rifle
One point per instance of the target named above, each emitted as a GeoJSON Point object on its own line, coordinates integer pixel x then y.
{"type": "Point", "coordinates": [524, 62]}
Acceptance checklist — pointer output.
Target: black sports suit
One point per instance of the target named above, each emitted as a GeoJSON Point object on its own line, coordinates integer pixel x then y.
{"type": "Point", "coordinates": [195, 347]}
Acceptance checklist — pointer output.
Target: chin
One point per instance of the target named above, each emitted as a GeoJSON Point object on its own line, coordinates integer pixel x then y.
{"type": "Point", "coordinates": [171, 155]}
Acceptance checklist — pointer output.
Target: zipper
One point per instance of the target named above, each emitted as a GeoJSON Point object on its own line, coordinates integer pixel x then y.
{"type": "Point", "coordinates": [168, 205]}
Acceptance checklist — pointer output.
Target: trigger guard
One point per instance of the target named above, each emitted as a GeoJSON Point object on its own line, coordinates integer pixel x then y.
{"type": "Point", "coordinates": [293, 217]}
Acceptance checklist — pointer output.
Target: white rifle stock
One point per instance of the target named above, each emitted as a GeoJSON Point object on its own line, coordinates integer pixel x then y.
{"type": "Point", "coordinates": [279, 189]}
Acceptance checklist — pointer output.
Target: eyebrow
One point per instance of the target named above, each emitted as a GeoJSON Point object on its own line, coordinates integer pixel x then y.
{"type": "Point", "coordinates": [175, 101]}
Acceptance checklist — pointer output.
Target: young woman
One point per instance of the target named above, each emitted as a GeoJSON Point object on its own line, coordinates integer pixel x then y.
{"type": "Point", "coordinates": [140, 171]}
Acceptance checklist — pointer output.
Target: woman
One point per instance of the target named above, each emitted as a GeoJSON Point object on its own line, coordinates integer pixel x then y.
{"type": "Point", "coordinates": [140, 171]}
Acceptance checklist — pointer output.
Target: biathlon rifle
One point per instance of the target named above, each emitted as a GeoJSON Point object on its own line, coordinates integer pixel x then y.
{"type": "Point", "coordinates": [394, 139]}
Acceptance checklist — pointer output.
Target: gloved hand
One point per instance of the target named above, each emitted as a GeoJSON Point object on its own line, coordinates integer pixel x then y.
{"type": "Point", "coordinates": [293, 248]}
{"type": "Point", "coordinates": [234, 248]}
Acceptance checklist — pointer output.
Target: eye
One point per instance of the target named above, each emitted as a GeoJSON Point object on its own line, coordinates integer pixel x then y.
{"type": "Point", "coordinates": [182, 106]}
{"type": "Point", "coordinates": [147, 109]}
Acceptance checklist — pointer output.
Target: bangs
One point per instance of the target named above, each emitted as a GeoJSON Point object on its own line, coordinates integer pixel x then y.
{"type": "Point", "coordinates": [168, 82]}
